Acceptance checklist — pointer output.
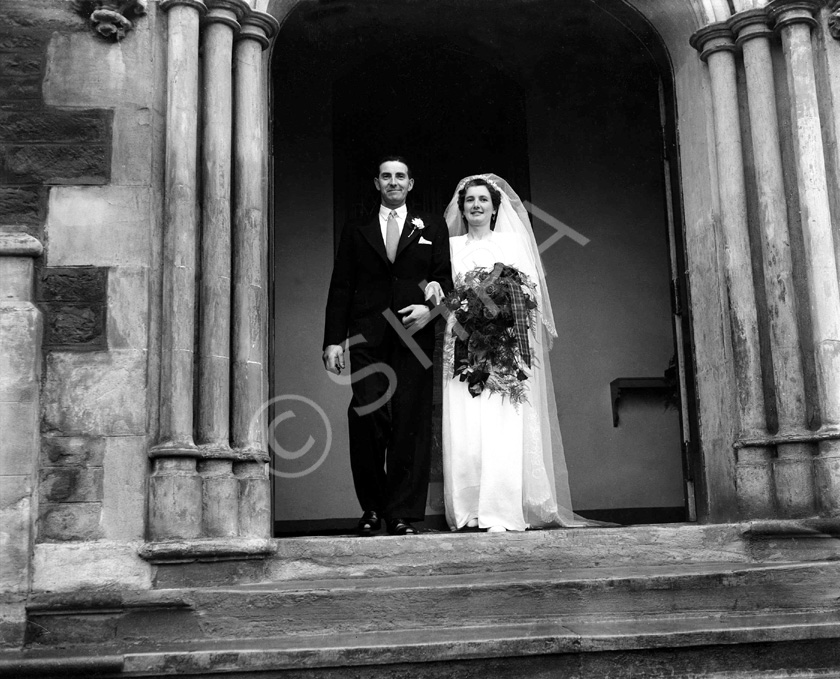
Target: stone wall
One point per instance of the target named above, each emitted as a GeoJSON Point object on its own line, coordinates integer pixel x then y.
{"type": "Point", "coordinates": [79, 147]}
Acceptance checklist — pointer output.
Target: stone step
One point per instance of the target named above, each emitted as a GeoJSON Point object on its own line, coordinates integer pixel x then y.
{"type": "Point", "coordinates": [544, 646]}
{"type": "Point", "coordinates": [757, 645]}
{"type": "Point", "coordinates": [292, 559]}
{"type": "Point", "coordinates": [329, 607]}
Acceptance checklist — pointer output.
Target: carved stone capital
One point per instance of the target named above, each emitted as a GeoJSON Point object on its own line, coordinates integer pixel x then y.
{"type": "Point", "coordinates": [750, 24]}
{"type": "Point", "coordinates": [259, 26]}
{"type": "Point", "coordinates": [197, 5]}
{"type": "Point", "coordinates": [237, 7]}
{"type": "Point", "coordinates": [111, 19]}
{"type": "Point", "coordinates": [227, 12]}
{"type": "Point", "coordinates": [789, 12]}
{"type": "Point", "coordinates": [716, 37]}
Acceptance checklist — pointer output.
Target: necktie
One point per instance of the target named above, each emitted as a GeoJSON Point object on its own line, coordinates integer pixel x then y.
{"type": "Point", "coordinates": [392, 236]}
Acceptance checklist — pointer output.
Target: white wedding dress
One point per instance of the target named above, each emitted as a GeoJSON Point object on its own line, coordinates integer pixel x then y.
{"type": "Point", "coordinates": [493, 457]}
{"type": "Point", "coordinates": [503, 463]}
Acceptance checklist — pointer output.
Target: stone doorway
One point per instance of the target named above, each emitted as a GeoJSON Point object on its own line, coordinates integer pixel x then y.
{"type": "Point", "coordinates": [585, 145]}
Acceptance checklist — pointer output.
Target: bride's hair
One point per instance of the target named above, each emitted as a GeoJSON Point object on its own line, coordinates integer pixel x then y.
{"type": "Point", "coordinates": [495, 198]}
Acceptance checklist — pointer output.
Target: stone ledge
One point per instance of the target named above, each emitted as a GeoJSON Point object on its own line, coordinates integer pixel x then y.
{"type": "Point", "coordinates": [95, 602]}
{"type": "Point", "coordinates": [660, 647]}
{"type": "Point", "coordinates": [82, 666]}
{"type": "Point", "coordinates": [19, 245]}
{"type": "Point", "coordinates": [817, 528]}
{"type": "Point", "coordinates": [489, 642]}
{"type": "Point", "coordinates": [206, 549]}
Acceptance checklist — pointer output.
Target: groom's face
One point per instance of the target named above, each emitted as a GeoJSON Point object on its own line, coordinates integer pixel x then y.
{"type": "Point", "coordinates": [393, 183]}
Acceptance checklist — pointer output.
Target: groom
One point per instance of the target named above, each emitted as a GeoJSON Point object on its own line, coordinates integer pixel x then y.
{"type": "Point", "coordinates": [382, 278]}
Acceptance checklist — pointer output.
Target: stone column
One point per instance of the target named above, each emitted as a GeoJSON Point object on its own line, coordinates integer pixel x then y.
{"type": "Point", "coordinates": [793, 467]}
{"type": "Point", "coordinates": [175, 487]}
{"type": "Point", "coordinates": [20, 416]}
{"type": "Point", "coordinates": [794, 19]}
{"type": "Point", "coordinates": [254, 498]}
{"type": "Point", "coordinates": [220, 487]}
{"type": "Point", "coordinates": [250, 268]}
{"type": "Point", "coordinates": [716, 45]}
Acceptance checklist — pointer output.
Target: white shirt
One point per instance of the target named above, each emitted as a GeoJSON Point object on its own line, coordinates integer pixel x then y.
{"type": "Point", "coordinates": [384, 212]}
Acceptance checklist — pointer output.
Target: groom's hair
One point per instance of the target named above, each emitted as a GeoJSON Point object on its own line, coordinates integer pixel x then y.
{"type": "Point", "coordinates": [397, 159]}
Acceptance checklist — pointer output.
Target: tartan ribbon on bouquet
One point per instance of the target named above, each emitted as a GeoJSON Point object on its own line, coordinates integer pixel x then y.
{"type": "Point", "coordinates": [520, 318]}
{"type": "Point", "coordinates": [494, 309]}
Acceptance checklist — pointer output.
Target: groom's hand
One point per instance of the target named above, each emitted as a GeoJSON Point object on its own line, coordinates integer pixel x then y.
{"type": "Point", "coordinates": [334, 358]}
{"type": "Point", "coordinates": [415, 316]}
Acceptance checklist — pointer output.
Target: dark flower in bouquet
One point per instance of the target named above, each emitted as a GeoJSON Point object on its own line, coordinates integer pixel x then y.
{"type": "Point", "coordinates": [494, 308]}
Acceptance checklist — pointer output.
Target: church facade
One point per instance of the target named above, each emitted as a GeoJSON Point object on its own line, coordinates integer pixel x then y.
{"type": "Point", "coordinates": [142, 215]}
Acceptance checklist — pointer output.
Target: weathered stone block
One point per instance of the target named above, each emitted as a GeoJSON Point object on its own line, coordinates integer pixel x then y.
{"type": "Point", "coordinates": [220, 498]}
{"type": "Point", "coordinates": [15, 504]}
{"type": "Point", "coordinates": [99, 226]}
{"type": "Point", "coordinates": [19, 89]}
{"type": "Point", "coordinates": [21, 204]}
{"type": "Point", "coordinates": [81, 71]}
{"type": "Point", "coordinates": [106, 564]}
{"type": "Point", "coordinates": [19, 442]}
{"type": "Point", "coordinates": [133, 146]}
{"type": "Point", "coordinates": [16, 64]}
{"type": "Point", "coordinates": [254, 499]}
{"type": "Point", "coordinates": [17, 275]}
{"type": "Point", "coordinates": [74, 303]}
{"type": "Point", "coordinates": [72, 629]}
{"type": "Point", "coordinates": [70, 484]}
{"type": "Point", "coordinates": [70, 521]}
{"type": "Point", "coordinates": [82, 451]}
{"type": "Point", "coordinates": [73, 284]}
{"type": "Point", "coordinates": [101, 393]}
{"type": "Point", "coordinates": [124, 487]}
{"type": "Point", "coordinates": [128, 308]}
{"type": "Point", "coordinates": [54, 126]}
{"type": "Point", "coordinates": [46, 15]}
{"type": "Point", "coordinates": [22, 40]}
{"type": "Point", "coordinates": [55, 164]}
{"type": "Point", "coordinates": [20, 333]}
{"type": "Point", "coordinates": [12, 624]}
{"type": "Point", "coordinates": [174, 499]}
{"type": "Point", "coordinates": [74, 326]}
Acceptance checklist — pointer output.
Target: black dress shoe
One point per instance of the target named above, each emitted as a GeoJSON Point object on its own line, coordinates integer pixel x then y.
{"type": "Point", "coordinates": [369, 523]}
{"type": "Point", "coordinates": [400, 527]}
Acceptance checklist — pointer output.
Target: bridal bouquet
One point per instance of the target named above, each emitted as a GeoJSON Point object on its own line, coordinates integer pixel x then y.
{"type": "Point", "coordinates": [494, 309]}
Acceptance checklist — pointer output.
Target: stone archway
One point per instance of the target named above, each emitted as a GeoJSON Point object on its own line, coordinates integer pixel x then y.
{"type": "Point", "coordinates": [582, 50]}
{"type": "Point", "coordinates": [749, 468]}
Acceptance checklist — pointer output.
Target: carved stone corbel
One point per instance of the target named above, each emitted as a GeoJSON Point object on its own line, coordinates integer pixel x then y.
{"type": "Point", "coordinates": [834, 19]}
{"type": "Point", "coordinates": [110, 18]}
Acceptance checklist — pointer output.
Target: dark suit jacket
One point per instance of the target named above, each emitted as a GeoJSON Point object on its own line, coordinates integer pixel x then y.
{"type": "Point", "coordinates": [364, 283]}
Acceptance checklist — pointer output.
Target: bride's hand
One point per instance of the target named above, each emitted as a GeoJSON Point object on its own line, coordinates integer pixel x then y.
{"type": "Point", "coordinates": [415, 316]}
{"type": "Point", "coordinates": [433, 292]}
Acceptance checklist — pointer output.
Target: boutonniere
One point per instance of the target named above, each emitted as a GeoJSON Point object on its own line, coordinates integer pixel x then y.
{"type": "Point", "coordinates": [417, 225]}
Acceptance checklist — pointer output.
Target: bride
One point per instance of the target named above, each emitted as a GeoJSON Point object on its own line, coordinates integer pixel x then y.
{"type": "Point", "coordinates": [503, 462]}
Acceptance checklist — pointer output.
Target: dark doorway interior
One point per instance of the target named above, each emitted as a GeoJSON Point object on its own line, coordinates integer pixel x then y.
{"type": "Point", "coordinates": [451, 116]}
{"type": "Point", "coordinates": [565, 105]}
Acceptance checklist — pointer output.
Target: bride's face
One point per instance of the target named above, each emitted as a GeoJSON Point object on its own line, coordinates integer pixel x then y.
{"type": "Point", "coordinates": [478, 206]}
